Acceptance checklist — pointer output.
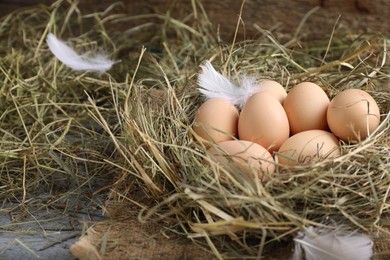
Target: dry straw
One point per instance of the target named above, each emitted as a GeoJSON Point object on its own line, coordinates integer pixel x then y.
{"type": "Point", "coordinates": [132, 126]}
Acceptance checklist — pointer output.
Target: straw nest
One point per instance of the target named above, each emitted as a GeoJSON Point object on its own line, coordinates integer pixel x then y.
{"type": "Point", "coordinates": [133, 125]}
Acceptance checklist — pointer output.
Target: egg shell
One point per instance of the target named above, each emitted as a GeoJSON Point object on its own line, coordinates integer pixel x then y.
{"type": "Point", "coordinates": [308, 147]}
{"type": "Point", "coordinates": [263, 121]}
{"type": "Point", "coordinates": [306, 105]}
{"type": "Point", "coordinates": [273, 88]}
{"type": "Point", "coordinates": [246, 156]}
{"type": "Point", "coordinates": [353, 114]}
{"type": "Point", "coordinates": [216, 120]}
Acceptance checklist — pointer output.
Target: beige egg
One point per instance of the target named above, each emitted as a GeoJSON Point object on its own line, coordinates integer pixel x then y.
{"type": "Point", "coordinates": [274, 89]}
{"type": "Point", "coordinates": [245, 156]}
{"type": "Point", "coordinates": [353, 114]}
{"type": "Point", "coordinates": [216, 120]}
{"type": "Point", "coordinates": [306, 105]}
{"type": "Point", "coordinates": [308, 147]}
{"type": "Point", "coordinates": [263, 121]}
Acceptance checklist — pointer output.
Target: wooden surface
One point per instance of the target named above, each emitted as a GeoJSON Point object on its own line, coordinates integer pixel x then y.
{"type": "Point", "coordinates": [355, 15]}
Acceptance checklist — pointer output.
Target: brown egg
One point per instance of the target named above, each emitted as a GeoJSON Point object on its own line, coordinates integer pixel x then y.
{"type": "Point", "coordinates": [245, 156]}
{"type": "Point", "coordinates": [216, 120]}
{"type": "Point", "coordinates": [274, 89]}
{"type": "Point", "coordinates": [263, 121]}
{"type": "Point", "coordinates": [353, 114]}
{"type": "Point", "coordinates": [308, 147]}
{"type": "Point", "coordinates": [305, 106]}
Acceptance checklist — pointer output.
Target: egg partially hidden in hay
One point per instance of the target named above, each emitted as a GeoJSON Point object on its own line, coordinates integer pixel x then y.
{"type": "Point", "coordinates": [308, 147]}
{"type": "Point", "coordinates": [245, 156]}
{"type": "Point", "coordinates": [216, 120]}
{"type": "Point", "coordinates": [353, 114]}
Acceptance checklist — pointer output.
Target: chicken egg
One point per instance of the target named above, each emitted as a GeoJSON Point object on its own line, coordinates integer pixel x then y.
{"type": "Point", "coordinates": [306, 105]}
{"type": "Point", "coordinates": [353, 114]}
{"type": "Point", "coordinates": [308, 147]}
{"type": "Point", "coordinates": [243, 155]}
{"type": "Point", "coordinates": [216, 120]}
{"type": "Point", "coordinates": [274, 89]}
{"type": "Point", "coordinates": [262, 120]}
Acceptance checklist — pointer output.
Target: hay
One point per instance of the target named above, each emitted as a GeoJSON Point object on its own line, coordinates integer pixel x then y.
{"type": "Point", "coordinates": [61, 130]}
{"type": "Point", "coordinates": [242, 218]}
{"type": "Point", "coordinates": [84, 250]}
{"type": "Point", "coordinates": [141, 241]}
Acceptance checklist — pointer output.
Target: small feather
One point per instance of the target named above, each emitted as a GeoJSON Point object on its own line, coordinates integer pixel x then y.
{"type": "Point", "coordinates": [249, 86]}
{"type": "Point", "coordinates": [331, 244]}
{"type": "Point", "coordinates": [72, 59]}
{"type": "Point", "coordinates": [215, 85]}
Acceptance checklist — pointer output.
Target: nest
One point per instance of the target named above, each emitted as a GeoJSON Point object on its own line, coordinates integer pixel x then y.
{"type": "Point", "coordinates": [133, 125]}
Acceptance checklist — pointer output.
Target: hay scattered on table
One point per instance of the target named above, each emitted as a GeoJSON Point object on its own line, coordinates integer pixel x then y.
{"type": "Point", "coordinates": [61, 129]}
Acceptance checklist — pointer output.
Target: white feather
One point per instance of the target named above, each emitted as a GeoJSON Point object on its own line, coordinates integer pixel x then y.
{"type": "Point", "coordinates": [215, 85]}
{"type": "Point", "coordinates": [72, 59]}
{"type": "Point", "coordinates": [331, 244]}
{"type": "Point", "coordinates": [249, 86]}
